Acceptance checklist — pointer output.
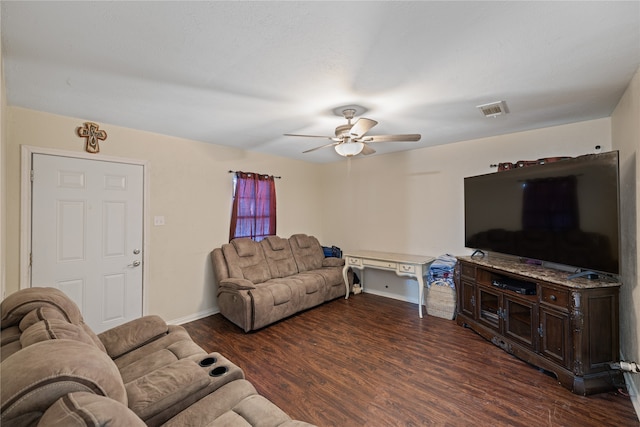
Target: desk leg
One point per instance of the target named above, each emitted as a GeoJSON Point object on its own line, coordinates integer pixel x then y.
{"type": "Point", "coordinates": [345, 277]}
{"type": "Point", "coordinates": [420, 291]}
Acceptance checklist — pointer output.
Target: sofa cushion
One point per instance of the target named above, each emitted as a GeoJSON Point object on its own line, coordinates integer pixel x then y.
{"type": "Point", "coordinates": [54, 329]}
{"type": "Point", "coordinates": [245, 247]}
{"type": "Point", "coordinates": [35, 377]}
{"type": "Point", "coordinates": [333, 262]}
{"type": "Point", "coordinates": [144, 365]}
{"type": "Point", "coordinates": [231, 405]}
{"type": "Point", "coordinates": [280, 292]}
{"type": "Point", "coordinates": [19, 304]}
{"type": "Point", "coordinates": [9, 341]}
{"type": "Point", "coordinates": [32, 305]}
{"type": "Point", "coordinates": [277, 251]}
{"type": "Point", "coordinates": [245, 260]}
{"type": "Point", "coordinates": [307, 252]}
{"type": "Point", "coordinates": [176, 335]}
{"type": "Point", "coordinates": [41, 313]}
{"type": "Point", "coordinates": [82, 409]}
{"type": "Point", "coordinates": [165, 387]}
{"type": "Point", "coordinates": [276, 243]}
{"type": "Point", "coordinates": [10, 348]}
{"type": "Point", "coordinates": [131, 335]}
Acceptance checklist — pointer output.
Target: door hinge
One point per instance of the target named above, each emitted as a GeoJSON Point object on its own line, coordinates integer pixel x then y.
{"type": "Point", "coordinates": [31, 175]}
{"type": "Point", "coordinates": [30, 258]}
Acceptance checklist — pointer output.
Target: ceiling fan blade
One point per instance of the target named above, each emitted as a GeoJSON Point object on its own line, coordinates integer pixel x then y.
{"type": "Point", "coordinates": [367, 150]}
{"type": "Point", "coordinates": [322, 146]}
{"type": "Point", "coordinates": [361, 127]}
{"type": "Point", "coordinates": [311, 136]}
{"type": "Point", "coordinates": [391, 138]}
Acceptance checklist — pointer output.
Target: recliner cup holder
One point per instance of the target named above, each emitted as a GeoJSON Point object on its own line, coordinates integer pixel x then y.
{"type": "Point", "coordinates": [208, 361]}
{"type": "Point", "coordinates": [218, 371]}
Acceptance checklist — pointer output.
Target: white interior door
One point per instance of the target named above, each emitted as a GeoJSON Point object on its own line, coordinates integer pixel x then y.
{"type": "Point", "coordinates": [87, 235]}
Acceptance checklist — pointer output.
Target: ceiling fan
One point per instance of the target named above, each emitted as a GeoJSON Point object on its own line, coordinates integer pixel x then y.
{"type": "Point", "coordinates": [351, 139]}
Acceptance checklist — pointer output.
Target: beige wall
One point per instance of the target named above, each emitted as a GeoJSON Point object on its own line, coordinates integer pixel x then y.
{"type": "Point", "coordinates": [189, 185]}
{"type": "Point", "coordinates": [3, 204]}
{"type": "Point", "coordinates": [413, 202]}
{"type": "Point", "coordinates": [625, 129]}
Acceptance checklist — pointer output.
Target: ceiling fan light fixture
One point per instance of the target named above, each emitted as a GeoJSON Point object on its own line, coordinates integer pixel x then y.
{"type": "Point", "coordinates": [349, 149]}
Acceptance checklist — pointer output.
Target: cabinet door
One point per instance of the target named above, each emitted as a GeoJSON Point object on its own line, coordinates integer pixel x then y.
{"type": "Point", "coordinates": [468, 299]}
{"type": "Point", "coordinates": [555, 336]}
{"type": "Point", "coordinates": [520, 320]}
{"type": "Point", "coordinates": [489, 307]}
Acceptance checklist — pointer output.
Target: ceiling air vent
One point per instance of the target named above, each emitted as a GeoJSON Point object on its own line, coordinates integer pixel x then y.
{"type": "Point", "coordinates": [493, 109]}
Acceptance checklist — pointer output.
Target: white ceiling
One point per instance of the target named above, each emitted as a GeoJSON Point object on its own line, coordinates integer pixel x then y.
{"type": "Point", "coordinates": [243, 73]}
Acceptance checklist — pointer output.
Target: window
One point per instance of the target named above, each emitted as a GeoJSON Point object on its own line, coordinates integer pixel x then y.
{"type": "Point", "coordinates": [254, 206]}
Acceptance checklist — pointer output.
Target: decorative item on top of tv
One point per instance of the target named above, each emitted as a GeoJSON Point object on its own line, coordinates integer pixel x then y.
{"type": "Point", "coordinates": [93, 134]}
{"type": "Point", "coordinates": [524, 163]}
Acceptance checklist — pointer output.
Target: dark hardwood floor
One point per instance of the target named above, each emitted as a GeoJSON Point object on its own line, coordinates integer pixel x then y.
{"type": "Point", "coordinates": [371, 361]}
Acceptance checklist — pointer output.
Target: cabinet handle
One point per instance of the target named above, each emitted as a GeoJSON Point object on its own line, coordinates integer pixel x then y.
{"type": "Point", "coordinates": [541, 331]}
{"type": "Point", "coordinates": [473, 301]}
{"type": "Point", "coordinates": [553, 297]}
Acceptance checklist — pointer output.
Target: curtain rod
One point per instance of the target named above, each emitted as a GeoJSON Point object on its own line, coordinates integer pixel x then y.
{"type": "Point", "coordinates": [276, 177]}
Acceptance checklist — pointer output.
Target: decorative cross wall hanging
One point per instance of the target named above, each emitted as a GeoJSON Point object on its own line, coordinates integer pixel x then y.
{"type": "Point", "coordinates": [91, 132]}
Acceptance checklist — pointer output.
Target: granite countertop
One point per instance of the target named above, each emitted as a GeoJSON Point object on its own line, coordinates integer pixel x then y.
{"type": "Point", "coordinates": [541, 272]}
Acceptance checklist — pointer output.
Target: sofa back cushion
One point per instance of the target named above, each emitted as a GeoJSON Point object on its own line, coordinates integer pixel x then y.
{"type": "Point", "coordinates": [245, 260]}
{"type": "Point", "coordinates": [55, 313]}
{"type": "Point", "coordinates": [277, 251]}
{"type": "Point", "coordinates": [54, 329]}
{"type": "Point", "coordinates": [32, 379]}
{"type": "Point", "coordinates": [307, 252]}
{"type": "Point", "coordinates": [20, 303]}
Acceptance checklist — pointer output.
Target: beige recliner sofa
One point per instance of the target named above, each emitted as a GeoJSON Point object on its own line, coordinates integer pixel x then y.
{"type": "Point", "coordinates": [56, 371]}
{"type": "Point", "coordinates": [262, 282]}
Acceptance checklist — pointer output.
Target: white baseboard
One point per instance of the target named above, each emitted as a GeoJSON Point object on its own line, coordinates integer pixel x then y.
{"type": "Point", "coordinates": [632, 381]}
{"type": "Point", "coordinates": [194, 316]}
{"type": "Point", "coordinates": [632, 389]}
{"type": "Point", "coordinates": [389, 295]}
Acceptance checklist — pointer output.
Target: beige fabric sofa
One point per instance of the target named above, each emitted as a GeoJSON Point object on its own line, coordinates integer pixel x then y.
{"type": "Point", "coordinates": [262, 282]}
{"type": "Point", "coordinates": [56, 371]}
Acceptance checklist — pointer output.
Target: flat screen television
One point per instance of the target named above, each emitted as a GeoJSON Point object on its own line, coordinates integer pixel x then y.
{"type": "Point", "coordinates": [564, 212]}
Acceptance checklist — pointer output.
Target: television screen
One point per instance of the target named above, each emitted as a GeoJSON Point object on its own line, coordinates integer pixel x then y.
{"type": "Point", "coordinates": [564, 212]}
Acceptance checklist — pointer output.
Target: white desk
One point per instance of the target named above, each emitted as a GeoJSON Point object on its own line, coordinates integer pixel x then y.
{"type": "Point", "coordinates": [414, 266]}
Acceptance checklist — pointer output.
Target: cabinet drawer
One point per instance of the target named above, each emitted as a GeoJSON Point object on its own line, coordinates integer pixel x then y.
{"type": "Point", "coordinates": [553, 296]}
{"type": "Point", "coordinates": [468, 270]}
{"type": "Point", "coordinates": [354, 261]}
{"type": "Point", "coordinates": [406, 268]}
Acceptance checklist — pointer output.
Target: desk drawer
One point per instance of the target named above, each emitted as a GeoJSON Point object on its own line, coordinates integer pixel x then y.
{"type": "Point", "coordinates": [407, 268]}
{"type": "Point", "coordinates": [381, 264]}
{"type": "Point", "coordinates": [356, 262]}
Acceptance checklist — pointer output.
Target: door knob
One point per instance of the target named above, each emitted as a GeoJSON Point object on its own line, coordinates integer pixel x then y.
{"type": "Point", "coordinates": [134, 264]}
{"type": "Point", "coordinates": [136, 251]}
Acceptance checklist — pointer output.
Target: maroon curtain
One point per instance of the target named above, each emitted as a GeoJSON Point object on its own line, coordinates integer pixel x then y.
{"type": "Point", "coordinates": [254, 206]}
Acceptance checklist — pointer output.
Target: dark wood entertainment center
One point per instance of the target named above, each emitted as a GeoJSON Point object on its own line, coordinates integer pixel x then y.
{"type": "Point", "coordinates": [569, 327]}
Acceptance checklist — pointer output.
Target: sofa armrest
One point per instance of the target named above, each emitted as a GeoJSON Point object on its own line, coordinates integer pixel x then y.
{"type": "Point", "coordinates": [333, 262]}
{"type": "Point", "coordinates": [237, 284]}
{"type": "Point", "coordinates": [164, 391]}
{"type": "Point", "coordinates": [131, 335]}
